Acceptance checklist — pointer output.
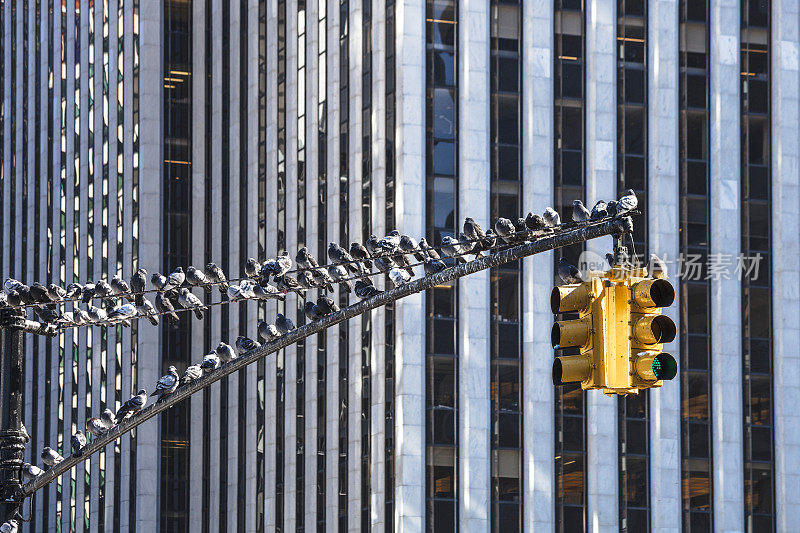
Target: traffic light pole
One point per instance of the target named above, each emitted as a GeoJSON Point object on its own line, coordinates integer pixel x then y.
{"type": "Point", "coordinates": [12, 440]}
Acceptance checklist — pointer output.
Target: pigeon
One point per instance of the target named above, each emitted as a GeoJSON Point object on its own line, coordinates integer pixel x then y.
{"type": "Point", "coordinates": [25, 295]}
{"type": "Point", "coordinates": [322, 279]}
{"type": "Point", "coordinates": [520, 226]}
{"type": "Point", "coordinates": [373, 246]}
{"type": "Point", "coordinates": [312, 311]}
{"type": "Point", "coordinates": [284, 324]}
{"type": "Point", "coordinates": [288, 283]}
{"type": "Point", "coordinates": [401, 261]}
{"type": "Point", "coordinates": [10, 526]}
{"type": "Point", "coordinates": [612, 208]}
{"type": "Point", "coordinates": [267, 292]}
{"type": "Point", "coordinates": [40, 294]}
{"type": "Point", "coordinates": [252, 268]}
{"type": "Point", "coordinates": [599, 211]}
{"type": "Point", "coordinates": [14, 299]}
{"type": "Point", "coordinates": [191, 373]}
{"type": "Point", "coordinates": [277, 267]}
{"type": "Point", "coordinates": [56, 292]}
{"type": "Point", "coordinates": [46, 314]}
{"type": "Point", "coordinates": [399, 276]}
{"type": "Point", "coordinates": [339, 274]}
{"type": "Point", "coordinates": [190, 301]}
{"type": "Point", "coordinates": [31, 472]}
{"type": "Point", "coordinates": [216, 275]}
{"type": "Point", "coordinates": [505, 229]}
{"type": "Point", "coordinates": [103, 290]}
{"type": "Point", "coordinates": [80, 317]}
{"type": "Point", "coordinates": [146, 309]}
{"type": "Point", "coordinates": [132, 406]}
{"type": "Point", "coordinates": [245, 344]}
{"type": "Point", "coordinates": [365, 289]}
{"type": "Point", "coordinates": [210, 362]}
{"type": "Point", "coordinates": [123, 314]}
{"type": "Point", "coordinates": [51, 457]}
{"type": "Point", "coordinates": [139, 285]}
{"type": "Point", "coordinates": [11, 284]}
{"type": "Point", "coordinates": [551, 217]}
{"type": "Point", "coordinates": [96, 427]}
{"type": "Point", "coordinates": [490, 241]}
{"type": "Point", "coordinates": [166, 384]}
{"type": "Point", "coordinates": [467, 245]}
{"type": "Point", "coordinates": [629, 202]}
{"type": "Point", "coordinates": [569, 273]}
{"type": "Point", "coordinates": [158, 280]}
{"type": "Point", "coordinates": [96, 314]}
{"type": "Point", "coordinates": [534, 222]}
{"type": "Point", "coordinates": [409, 245]}
{"type": "Point", "coordinates": [74, 291]}
{"type": "Point", "coordinates": [579, 212]}
{"type": "Point", "coordinates": [225, 352]}
{"type": "Point", "coordinates": [305, 279]}
{"type": "Point", "coordinates": [234, 292]}
{"type": "Point", "coordinates": [391, 242]}
{"type": "Point", "coordinates": [198, 278]}
{"type": "Point", "coordinates": [359, 252]}
{"type": "Point", "coordinates": [87, 293]}
{"type": "Point", "coordinates": [657, 267]}
{"type": "Point", "coordinates": [175, 280]}
{"type": "Point", "coordinates": [120, 286]}
{"type": "Point", "coordinates": [432, 253]}
{"type": "Point", "coordinates": [304, 259]}
{"type": "Point", "coordinates": [108, 418]}
{"type": "Point", "coordinates": [340, 256]}
{"type": "Point", "coordinates": [165, 307]}
{"type": "Point", "coordinates": [384, 264]}
{"type": "Point", "coordinates": [268, 332]}
{"type": "Point", "coordinates": [432, 266]}
{"type": "Point", "coordinates": [474, 233]}
{"type": "Point", "coordinates": [451, 248]}
{"type": "Point", "coordinates": [327, 305]}
{"type": "Point", "coordinates": [78, 442]}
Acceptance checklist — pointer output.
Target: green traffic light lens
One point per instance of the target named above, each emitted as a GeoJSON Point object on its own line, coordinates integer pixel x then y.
{"type": "Point", "coordinates": [664, 366]}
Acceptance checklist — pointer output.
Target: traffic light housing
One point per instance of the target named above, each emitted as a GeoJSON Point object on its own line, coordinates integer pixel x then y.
{"type": "Point", "coordinates": [617, 329]}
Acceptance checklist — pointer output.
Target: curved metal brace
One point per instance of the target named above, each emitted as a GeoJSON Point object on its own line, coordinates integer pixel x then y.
{"type": "Point", "coordinates": [543, 244]}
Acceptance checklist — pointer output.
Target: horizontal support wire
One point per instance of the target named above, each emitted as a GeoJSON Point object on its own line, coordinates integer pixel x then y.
{"type": "Point", "coordinates": [592, 231]}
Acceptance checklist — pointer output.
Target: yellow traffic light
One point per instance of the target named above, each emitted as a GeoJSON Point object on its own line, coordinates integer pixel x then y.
{"type": "Point", "coordinates": [617, 329]}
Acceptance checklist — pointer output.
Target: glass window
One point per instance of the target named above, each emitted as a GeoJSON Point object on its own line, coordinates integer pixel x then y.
{"type": "Point", "coordinates": [443, 114]}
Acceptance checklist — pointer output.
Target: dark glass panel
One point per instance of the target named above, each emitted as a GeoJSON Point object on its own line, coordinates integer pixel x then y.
{"type": "Point", "coordinates": [634, 131]}
{"type": "Point", "coordinates": [571, 127]}
{"type": "Point", "coordinates": [636, 481]}
{"type": "Point", "coordinates": [696, 179]}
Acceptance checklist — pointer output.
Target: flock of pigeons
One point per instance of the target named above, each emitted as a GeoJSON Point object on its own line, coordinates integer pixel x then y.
{"type": "Point", "coordinates": [349, 268]}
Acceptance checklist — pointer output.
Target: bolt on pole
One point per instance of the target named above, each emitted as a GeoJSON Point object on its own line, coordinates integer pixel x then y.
{"type": "Point", "coordinates": [12, 441]}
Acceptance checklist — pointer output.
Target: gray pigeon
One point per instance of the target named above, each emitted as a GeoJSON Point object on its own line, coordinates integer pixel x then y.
{"type": "Point", "coordinates": [56, 292]}
{"type": "Point", "coordinates": [373, 246]}
{"type": "Point", "coordinates": [51, 457]}
{"type": "Point", "coordinates": [390, 243]}
{"type": "Point", "coordinates": [165, 307]}
{"type": "Point", "coordinates": [432, 253]}
{"type": "Point", "coordinates": [398, 276]}
{"type": "Point", "coordinates": [305, 279]}
{"type": "Point", "coordinates": [146, 309]}
{"type": "Point", "coordinates": [210, 362]}
{"type": "Point", "coordinates": [123, 314]}
{"type": "Point", "coordinates": [252, 268]}
{"type": "Point", "coordinates": [234, 292]}
{"type": "Point", "coordinates": [40, 294]}
{"type": "Point", "coordinates": [96, 314]}
{"type": "Point", "coordinates": [327, 305]}
{"type": "Point", "coordinates": [474, 233]}
{"type": "Point", "coordinates": [95, 426]}
{"type": "Point", "coordinates": [267, 292]}
{"type": "Point", "coordinates": [103, 290]}
{"type": "Point", "coordinates": [340, 256]}
{"type": "Point", "coordinates": [432, 266]}
{"type": "Point", "coordinates": [284, 324]}
{"type": "Point", "coordinates": [567, 272]}
{"type": "Point", "coordinates": [31, 472]}
{"type": "Point", "coordinates": [365, 289]}
{"type": "Point", "coordinates": [451, 248]}
{"type": "Point", "coordinates": [312, 311]}
{"type": "Point", "coordinates": [322, 279]}
{"type": "Point", "coordinates": [467, 245]}
{"type": "Point", "coordinates": [612, 208]}
{"type": "Point", "coordinates": [11, 284]}
{"type": "Point", "coordinates": [216, 275]}
{"type": "Point", "coordinates": [551, 217]}
{"type": "Point", "coordinates": [384, 264]}
{"type": "Point", "coordinates": [139, 284]}
{"type": "Point", "coordinates": [268, 332]}
{"type": "Point", "coordinates": [579, 212]}
{"type": "Point", "coordinates": [288, 284]}
{"type": "Point", "coordinates": [191, 373]}
{"type": "Point", "coordinates": [46, 314]}
{"type": "Point", "coordinates": [534, 222]}
{"type": "Point", "coordinates": [158, 280]}
{"type": "Point", "coordinates": [109, 418]}
{"type": "Point", "coordinates": [132, 406]}
{"type": "Point", "coordinates": [339, 274]}
{"type": "Point", "coordinates": [198, 278]}
{"type": "Point", "coordinates": [78, 442]}
{"type": "Point", "coordinates": [166, 384]}
{"type": "Point", "coordinates": [74, 291]}
{"type": "Point", "coordinates": [360, 253]}
{"type": "Point", "coordinates": [304, 259]}
{"type": "Point", "coordinates": [121, 287]}
{"type": "Point", "coordinates": [408, 245]}
{"type": "Point", "coordinates": [505, 229]}
{"type": "Point", "coordinates": [225, 352]}
{"type": "Point", "coordinates": [190, 301]}
{"type": "Point", "coordinates": [276, 267]}
{"type": "Point", "coordinates": [629, 202]}
{"type": "Point", "coordinates": [175, 280]}
{"type": "Point", "coordinates": [599, 211]}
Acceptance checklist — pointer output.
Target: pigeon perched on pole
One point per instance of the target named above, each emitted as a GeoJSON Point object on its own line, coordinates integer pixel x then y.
{"type": "Point", "coordinates": [305, 279]}
{"type": "Point", "coordinates": [468, 245]}
{"type": "Point", "coordinates": [312, 311]}
{"type": "Point", "coordinates": [267, 292]}
{"type": "Point", "coordinates": [190, 301]}
{"type": "Point", "coordinates": [41, 295]}
{"type": "Point", "coordinates": [225, 352]}
{"type": "Point", "coordinates": [451, 248]}
{"type": "Point", "coordinates": [132, 406]}
{"type": "Point", "coordinates": [78, 442]}
{"type": "Point", "coordinates": [433, 266]}
{"type": "Point", "coordinates": [384, 263]}
{"type": "Point", "coordinates": [579, 212]}
{"type": "Point", "coordinates": [276, 267]}
{"type": "Point", "coordinates": [599, 211]}
{"type": "Point", "coordinates": [11, 284]}
{"type": "Point", "coordinates": [252, 268]}
{"type": "Point", "coordinates": [390, 243]}
{"type": "Point", "coordinates": [95, 426]}
{"type": "Point", "coordinates": [146, 309]}
{"type": "Point", "coordinates": [216, 275]}
{"type": "Point", "coordinates": [210, 362]}
{"type": "Point", "coordinates": [322, 279]}
{"type": "Point", "coordinates": [288, 284]}
{"type": "Point", "coordinates": [31, 472]}
{"type": "Point", "coordinates": [340, 256]}
{"type": "Point", "coordinates": [56, 292]}
{"type": "Point", "coordinates": [432, 253]}
{"type": "Point", "coordinates": [96, 314]}
{"type": "Point", "coordinates": [198, 278]}
{"type": "Point", "coordinates": [74, 291]}
{"type": "Point", "coordinates": [409, 245]}
{"type": "Point", "coordinates": [45, 314]}
{"type": "Point", "coordinates": [612, 208]}
{"type": "Point", "coordinates": [109, 418]}
{"type": "Point", "coordinates": [568, 273]}
{"type": "Point", "coordinates": [87, 294]}
{"type": "Point", "coordinates": [175, 280]}
{"type": "Point", "coordinates": [139, 285]}
{"type": "Point", "coordinates": [327, 305]}
{"type": "Point", "coordinates": [360, 253]}
{"type": "Point", "coordinates": [51, 457]}
{"type": "Point", "coordinates": [339, 274]}
{"type": "Point", "coordinates": [505, 229]}
{"type": "Point", "coordinates": [398, 276]}
{"type": "Point", "coordinates": [121, 287]}
{"type": "Point", "coordinates": [166, 384]}
{"type": "Point", "coordinates": [474, 233]}
{"type": "Point", "coordinates": [234, 292]}
{"type": "Point", "coordinates": [629, 202]}
{"type": "Point", "coordinates": [373, 246]}
{"type": "Point", "coordinates": [284, 324]}
{"type": "Point", "coordinates": [123, 314]}
{"type": "Point", "coordinates": [551, 217]}
{"type": "Point", "coordinates": [158, 280]}
{"type": "Point", "coordinates": [164, 306]}
{"type": "Point", "coordinates": [267, 331]}
{"type": "Point", "coordinates": [534, 222]}
{"type": "Point", "coordinates": [305, 260]}
{"type": "Point", "coordinates": [191, 373]}
{"type": "Point", "coordinates": [365, 289]}
{"type": "Point", "coordinates": [103, 290]}
{"type": "Point", "coordinates": [245, 344]}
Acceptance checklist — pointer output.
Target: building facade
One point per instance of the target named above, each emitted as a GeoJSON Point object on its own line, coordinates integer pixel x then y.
{"type": "Point", "coordinates": [155, 134]}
